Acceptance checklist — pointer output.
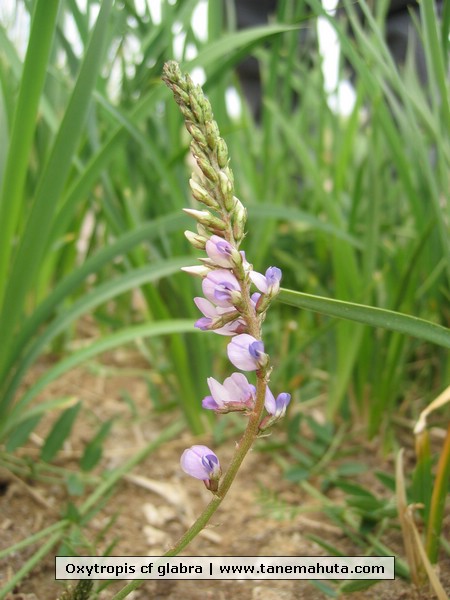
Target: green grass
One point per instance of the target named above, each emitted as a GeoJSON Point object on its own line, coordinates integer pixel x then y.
{"type": "Point", "coordinates": [354, 210]}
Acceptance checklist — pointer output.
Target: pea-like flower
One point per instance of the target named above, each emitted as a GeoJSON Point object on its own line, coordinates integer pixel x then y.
{"type": "Point", "coordinates": [275, 408]}
{"type": "Point", "coordinates": [218, 319]}
{"type": "Point", "coordinates": [236, 393]}
{"type": "Point", "coordinates": [222, 288]}
{"type": "Point", "coordinates": [201, 462]}
{"type": "Point", "coordinates": [268, 283]}
{"type": "Point", "coordinates": [222, 253]}
{"type": "Point", "coordinates": [247, 353]}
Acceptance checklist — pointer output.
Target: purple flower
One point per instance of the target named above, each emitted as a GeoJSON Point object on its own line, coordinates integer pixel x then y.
{"type": "Point", "coordinates": [221, 252]}
{"type": "Point", "coordinates": [246, 352]}
{"type": "Point", "coordinates": [275, 408]}
{"type": "Point", "coordinates": [268, 283]}
{"type": "Point", "coordinates": [236, 393]}
{"type": "Point", "coordinates": [200, 462]}
{"type": "Point", "coordinates": [221, 287]}
{"type": "Point", "coordinates": [213, 315]}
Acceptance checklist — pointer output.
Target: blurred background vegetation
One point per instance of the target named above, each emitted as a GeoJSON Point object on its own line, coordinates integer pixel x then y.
{"type": "Point", "coordinates": [350, 201]}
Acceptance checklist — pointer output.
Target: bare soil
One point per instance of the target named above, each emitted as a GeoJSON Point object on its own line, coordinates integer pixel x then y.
{"type": "Point", "coordinates": [152, 507]}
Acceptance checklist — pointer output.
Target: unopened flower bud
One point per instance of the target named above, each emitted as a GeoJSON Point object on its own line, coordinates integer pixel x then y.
{"type": "Point", "coordinates": [180, 93]}
{"type": "Point", "coordinates": [199, 150]}
{"type": "Point", "coordinates": [198, 241]}
{"type": "Point", "coordinates": [222, 153]}
{"type": "Point", "coordinates": [205, 218]}
{"type": "Point", "coordinates": [186, 111]}
{"type": "Point", "coordinates": [196, 133]}
{"type": "Point", "coordinates": [275, 408]}
{"type": "Point", "coordinates": [189, 84]}
{"type": "Point", "coordinates": [207, 169]}
{"type": "Point", "coordinates": [195, 107]}
{"type": "Point", "coordinates": [201, 230]}
{"type": "Point", "coordinates": [269, 283]}
{"type": "Point", "coordinates": [202, 463]}
{"type": "Point", "coordinates": [202, 195]}
{"type": "Point", "coordinates": [247, 353]}
{"type": "Point", "coordinates": [205, 106]}
{"type": "Point", "coordinates": [212, 134]}
{"type": "Point", "coordinates": [226, 190]}
{"type": "Point", "coordinates": [239, 219]}
{"type": "Point", "coordinates": [196, 271]}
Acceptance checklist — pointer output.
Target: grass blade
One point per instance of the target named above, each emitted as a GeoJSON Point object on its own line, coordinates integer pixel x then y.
{"type": "Point", "coordinates": [34, 238]}
{"type": "Point", "coordinates": [369, 315]}
{"type": "Point", "coordinates": [34, 72]}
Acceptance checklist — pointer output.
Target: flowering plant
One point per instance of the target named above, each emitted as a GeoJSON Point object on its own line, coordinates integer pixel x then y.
{"type": "Point", "coordinates": [231, 305]}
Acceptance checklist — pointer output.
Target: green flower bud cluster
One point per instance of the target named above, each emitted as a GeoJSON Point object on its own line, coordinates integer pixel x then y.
{"type": "Point", "coordinates": [213, 186]}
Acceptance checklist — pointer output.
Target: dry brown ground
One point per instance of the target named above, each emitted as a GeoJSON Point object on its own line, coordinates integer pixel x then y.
{"type": "Point", "coordinates": [152, 508]}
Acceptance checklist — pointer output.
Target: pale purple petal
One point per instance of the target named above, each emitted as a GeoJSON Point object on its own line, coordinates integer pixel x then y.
{"type": "Point", "coordinates": [256, 350]}
{"type": "Point", "coordinates": [230, 328]}
{"type": "Point", "coordinates": [218, 391]}
{"type": "Point", "coordinates": [238, 386]}
{"type": "Point", "coordinates": [273, 276]}
{"type": "Point", "coordinates": [204, 323]}
{"type": "Point", "coordinates": [255, 297]}
{"type": "Point", "coordinates": [208, 309]}
{"type": "Point", "coordinates": [240, 389]}
{"type": "Point", "coordinates": [245, 352]}
{"type": "Point", "coordinates": [269, 402]}
{"type": "Point", "coordinates": [209, 403]}
{"type": "Point", "coordinates": [211, 313]}
{"type": "Point", "coordinates": [276, 408]}
{"type": "Point", "coordinates": [259, 280]}
{"type": "Point", "coordinates": [247, 266]}
{"type": "Point", "coordinates": [282, 401]}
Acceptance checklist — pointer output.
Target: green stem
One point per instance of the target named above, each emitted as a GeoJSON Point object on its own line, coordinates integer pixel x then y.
{"type": "Point", "coordinates": [251, 432]}
{"type": "Point", "coordinates": [240, 453]}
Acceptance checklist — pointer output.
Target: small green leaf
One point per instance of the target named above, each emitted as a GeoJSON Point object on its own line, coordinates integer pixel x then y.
{"type": "Point", "coordinates": [387, 479]}
{"type": "Point", "coordinates": [94, 449]}
{"type": "Point", "coordinates": [59, 433]}
{"type": "Point", "coordinates": [297, 474]}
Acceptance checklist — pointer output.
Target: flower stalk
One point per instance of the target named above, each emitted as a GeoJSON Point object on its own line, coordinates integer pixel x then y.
{"type": "Point", "coordinates": [229, 307]}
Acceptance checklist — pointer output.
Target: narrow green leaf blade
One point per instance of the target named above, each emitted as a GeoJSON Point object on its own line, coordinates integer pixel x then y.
{"type": "Point", "coordinates": [369, 315]}
{"type": "Point", "coordinates": [34, 238]}
{"type": "Point", "coordinates": [94, 449]}
{"type": "Point", "coordinates": [59, 432]}
{"type": "Point", "coordinates": [34, 71]}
